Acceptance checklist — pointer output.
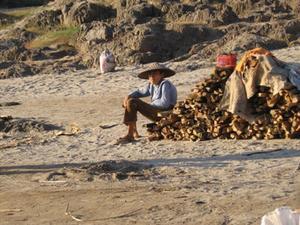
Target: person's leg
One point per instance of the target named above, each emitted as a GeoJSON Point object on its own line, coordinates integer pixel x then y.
{"type": "Point", "coordinates": [130, 118]}
{"type": "Point", "coordinates": [132, 131]}
{"type": "Point", "coordinates": [147, 110]}
{"type": "Point", "coordinates": [135, 132]}
{"type": "Point", "coordinates": [134, 105]}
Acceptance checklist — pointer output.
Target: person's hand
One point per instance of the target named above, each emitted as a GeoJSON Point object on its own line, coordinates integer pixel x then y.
{"type": "Point", "coordinates": [125, 101]}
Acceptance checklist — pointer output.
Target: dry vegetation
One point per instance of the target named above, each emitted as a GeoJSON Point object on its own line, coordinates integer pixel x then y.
{"type": "Point", "coordinates": [17, 14]}
{"type": "Point", "coordinates": [62, 35]}
{"type": "Point", "coordinates": [21, 13]}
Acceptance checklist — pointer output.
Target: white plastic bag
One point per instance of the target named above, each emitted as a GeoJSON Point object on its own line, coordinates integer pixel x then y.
{"type": "Point", "coordinates": [281, 216]}
{"type": "Point", "coordinates": [107, 62]}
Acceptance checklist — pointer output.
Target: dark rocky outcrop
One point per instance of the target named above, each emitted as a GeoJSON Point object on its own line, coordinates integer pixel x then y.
{"type": "Point", "coordinates": [96, 32]}
{"type": "Point", "coordinates": [18, 61]}
{"type": "Point", "coordinates": [137, 14]}
{"type": "Point", "coordinates": [143, 31]}
{"type": "Point", "coordinates": [45, 20]}
{"type": "Point", "coordinates": [152, 41]}
{"type": "Point", "coordinates": [211, 15]}
{"type": "Point", "coordinates": [76, 13]}
{"type": "Point", "coordinates": [12, 45]}
{"type": "Point", "coordinates": [21, 3]}
{"type": "Point", "coordinates": [5, 19]}
{"type": "Point", "coordinates": [13, 69]}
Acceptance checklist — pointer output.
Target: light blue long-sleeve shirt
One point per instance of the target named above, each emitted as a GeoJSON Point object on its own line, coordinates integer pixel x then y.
{"type": "Point", "coordinates": [163, 96]}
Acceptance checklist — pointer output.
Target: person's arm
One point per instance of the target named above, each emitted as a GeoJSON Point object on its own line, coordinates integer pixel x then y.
{"type": "Point", "coordinates": [140, 93]}
{"type": "Point", "coordinates": [166, 94]}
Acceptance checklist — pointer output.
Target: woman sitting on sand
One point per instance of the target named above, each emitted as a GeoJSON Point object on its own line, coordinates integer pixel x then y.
{"type": "Point", "coordinates": [163, 97]}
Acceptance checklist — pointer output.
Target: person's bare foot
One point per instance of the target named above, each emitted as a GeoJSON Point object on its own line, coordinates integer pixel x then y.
{"type": "Point", "coordinates": [126, 139]}
{"type": "Point", "coordinates": [136, 135]}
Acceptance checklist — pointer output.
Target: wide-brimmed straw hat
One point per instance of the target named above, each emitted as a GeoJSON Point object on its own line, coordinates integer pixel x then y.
{"type": "Point", "coordinates": [166, 72]}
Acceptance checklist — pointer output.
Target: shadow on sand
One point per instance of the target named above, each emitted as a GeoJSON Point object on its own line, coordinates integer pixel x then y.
{"type": "Point", "coordinates": [203, 162]}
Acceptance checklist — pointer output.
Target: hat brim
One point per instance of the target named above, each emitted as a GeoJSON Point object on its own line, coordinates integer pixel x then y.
{"type": "Point", "coordinates": [166, 73]}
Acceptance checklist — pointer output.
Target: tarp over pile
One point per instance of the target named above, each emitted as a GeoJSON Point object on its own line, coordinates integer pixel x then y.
{"type": "Point", "coordinates": [258, 67]}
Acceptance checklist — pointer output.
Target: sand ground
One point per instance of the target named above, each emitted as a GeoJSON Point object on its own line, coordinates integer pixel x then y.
{"type": "Point", "coordinates": [211, 182]}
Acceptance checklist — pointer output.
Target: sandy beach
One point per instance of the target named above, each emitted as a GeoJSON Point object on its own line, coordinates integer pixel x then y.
{"type": "Point", "coordinates": [209, 182]}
